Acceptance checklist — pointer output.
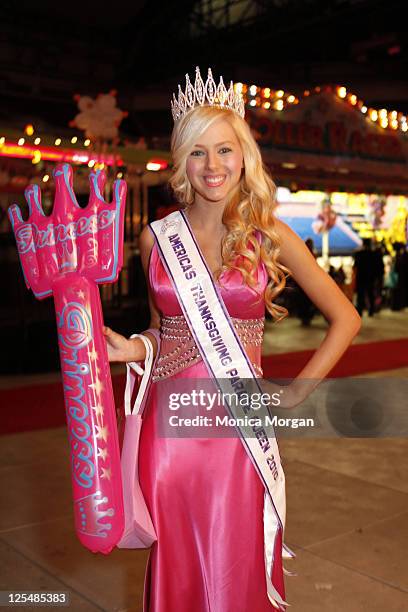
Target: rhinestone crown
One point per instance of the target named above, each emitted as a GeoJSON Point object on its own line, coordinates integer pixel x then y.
{"type": "Point", "coordinates": [206, 94]}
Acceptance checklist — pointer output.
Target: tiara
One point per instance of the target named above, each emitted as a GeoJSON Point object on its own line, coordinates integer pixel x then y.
{"type": "Point", "coordinates": [206, 94]}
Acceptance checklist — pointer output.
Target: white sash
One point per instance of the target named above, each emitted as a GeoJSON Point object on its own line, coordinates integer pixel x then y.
{"type": "Point", "coordinates": [191, 278]}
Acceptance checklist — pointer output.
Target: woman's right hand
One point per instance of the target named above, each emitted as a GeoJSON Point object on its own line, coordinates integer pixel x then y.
{"type": "Point", "coordinates": [121, 349]}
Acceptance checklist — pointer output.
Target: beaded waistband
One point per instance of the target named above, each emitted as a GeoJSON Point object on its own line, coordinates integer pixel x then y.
{"type": "Point", "coordinates": [176, 330]}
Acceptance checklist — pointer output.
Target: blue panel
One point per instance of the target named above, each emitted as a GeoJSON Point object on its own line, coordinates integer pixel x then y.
{"type": "Point", "coordinates": [339, 242]}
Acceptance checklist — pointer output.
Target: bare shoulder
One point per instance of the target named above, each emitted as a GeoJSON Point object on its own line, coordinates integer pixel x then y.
{"type": "Point", "coordinates": [283, 229]}
{"type": "Point", "coordinates": [293, 251]}
{"type": "Point", "coordinates": [146, 242]}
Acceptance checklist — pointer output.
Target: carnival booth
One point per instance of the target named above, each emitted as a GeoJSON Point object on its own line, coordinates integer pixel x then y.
{"type": "Point", "coordinates": [341, 167]}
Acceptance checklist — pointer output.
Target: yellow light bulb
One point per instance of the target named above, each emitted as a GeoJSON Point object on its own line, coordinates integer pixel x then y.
{"type": "Point", "coordinates": [36, 157]}
{"type": "Point", "coordinates": [74, 139]}
{"type": "Point", "coordinates": [266, 105]}
{"type": "Point", "coordinates": [29, 129]}
{"type": "Point", "coordinates": [341, 92]}
{"type": "Point", "coordinates": [87, 142]}
{"type": "Point", "coordinates": [280, 93]}
{"type": "Point", "coordinates": [37, 140]}
{"type": "Point", "coordinates": [91, 163]}
{"type": "Point", "coordinates": [373, 115]}
{"type": "Point", "coordinates": [20, 142]}
{"type": "Point", "coordinates": [291, 99]}
{"type": "Point", "coordinates": [57, 142]}
{"type": "Point", "coordinates": [253, 89]}
{"type": "Point", "coordinates": [46, 178]}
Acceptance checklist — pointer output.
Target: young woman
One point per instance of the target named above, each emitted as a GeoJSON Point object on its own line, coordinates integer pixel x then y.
{"type": "Point", "coordinates": [205, 498]}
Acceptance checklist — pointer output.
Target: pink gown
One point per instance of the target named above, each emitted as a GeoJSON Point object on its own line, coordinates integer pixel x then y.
{"type": "Point", "coordinates": [204, 495]}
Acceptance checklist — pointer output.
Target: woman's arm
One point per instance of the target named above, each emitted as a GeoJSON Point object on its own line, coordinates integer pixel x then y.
{"type": "Point", "coordinates": [120, 348]}
{"type": "Point", "coordinates": [146, 244]}
{"type": "Point", "coordinates": [344, 321]}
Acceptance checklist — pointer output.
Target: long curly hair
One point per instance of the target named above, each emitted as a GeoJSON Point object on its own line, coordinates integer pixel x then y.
{"type": "Point", "coordinates": [249, 208]}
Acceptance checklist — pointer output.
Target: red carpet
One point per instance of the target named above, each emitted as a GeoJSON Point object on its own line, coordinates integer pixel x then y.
{"type": "Point", "coordinates": [42, 406]}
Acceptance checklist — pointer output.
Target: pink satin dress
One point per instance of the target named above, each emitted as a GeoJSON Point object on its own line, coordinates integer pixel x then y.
{"type": "Point", "coordinates": [204, 495]}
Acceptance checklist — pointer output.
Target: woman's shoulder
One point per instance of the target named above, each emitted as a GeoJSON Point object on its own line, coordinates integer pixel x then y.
{"type": "Point", "coordinates": [146, 244]}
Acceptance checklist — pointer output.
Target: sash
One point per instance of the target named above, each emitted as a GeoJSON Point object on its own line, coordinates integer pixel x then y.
{"type": "Point", "coordinates": [190, 277]}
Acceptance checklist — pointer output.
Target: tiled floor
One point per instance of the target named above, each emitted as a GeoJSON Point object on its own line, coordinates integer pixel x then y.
{"type": "Point", "coordinates": [347, 516]}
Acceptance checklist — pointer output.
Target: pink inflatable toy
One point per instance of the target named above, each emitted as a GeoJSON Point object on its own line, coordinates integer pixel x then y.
{"type": "Point", "coordinates": [66, 255]}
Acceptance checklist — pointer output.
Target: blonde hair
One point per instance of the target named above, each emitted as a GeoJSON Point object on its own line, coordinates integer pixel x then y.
{"type": "Point", "coordinates": [249, 208]}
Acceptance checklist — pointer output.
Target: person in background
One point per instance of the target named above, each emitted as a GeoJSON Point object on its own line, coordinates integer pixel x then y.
{"type": "Point", "coordinates": [379, 276]}
{"type": "Point", "coordinates": [365, 267]}
{"type": "Point", "coordinates": [399, 272]}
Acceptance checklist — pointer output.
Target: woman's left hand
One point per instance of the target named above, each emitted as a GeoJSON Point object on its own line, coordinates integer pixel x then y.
{"type": "Point", "coordinates": [288, 397]}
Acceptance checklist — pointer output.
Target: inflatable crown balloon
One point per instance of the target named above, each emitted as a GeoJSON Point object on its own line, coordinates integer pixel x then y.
{"type": "Point", "coordinates": [67, 254]}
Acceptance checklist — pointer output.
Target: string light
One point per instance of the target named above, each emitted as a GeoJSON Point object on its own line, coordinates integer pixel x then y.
{"type": "Point", "coordinates": [87, 142]}
{"type": "Point", "coordinates": [57, 142]}
{"type": "Point", "coordinates": [74, 139]}
{"type": "Point", "coordinates": [2, 140]}
{"type": "Point", "coordinates": [36, 157]}
{"type": "Point", "coordinates": [37, 140]}
{"type": "Point", "coordinates": [392, 119]}
{"type": "Point", "coordinates": [29, 129]}
{"type": "Point", "coordinates": [20, 142]}
{"type": "Point", "coordinates": [119, 175]}
{"type": "Point", "coordinates": [91, 163]}
{"type": "Point", "coordinates": [45, 178]}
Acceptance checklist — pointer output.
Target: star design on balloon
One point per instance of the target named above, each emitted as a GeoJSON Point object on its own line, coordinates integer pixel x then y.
{"type": "Point", "coordinates": [102, 453]}
{"type": "Point", "coordinates": [98, 410]}
{"type": "Point", "coordinates": [81, 294]}
{"type": "Point", "coordinates": [93, 355]}
{"type": "Point", "coordinates": [106, 473]}
{"type": "Point", "coordinates": [97, 386]}
{"type": "Point", "coordinates": [102, 432]}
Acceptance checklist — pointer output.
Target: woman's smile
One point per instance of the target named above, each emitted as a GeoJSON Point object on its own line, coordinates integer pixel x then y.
{"type": "Point", "coordinates": [215, 180]}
